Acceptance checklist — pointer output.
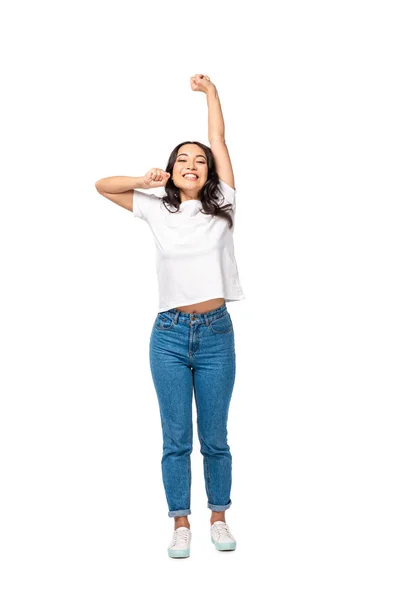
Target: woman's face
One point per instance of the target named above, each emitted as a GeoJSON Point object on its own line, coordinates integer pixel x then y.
{"type": "Point", "coordinates": [191, 159]}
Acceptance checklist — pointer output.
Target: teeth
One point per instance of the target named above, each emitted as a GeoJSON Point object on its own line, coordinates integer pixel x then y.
{"type": "Point", "coordinates": [190, 176]}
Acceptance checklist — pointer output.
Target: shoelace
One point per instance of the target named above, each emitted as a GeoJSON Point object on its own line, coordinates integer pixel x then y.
{"type": "Point", "coordinates": [180, 536]}
{"type": "Point", "coordinates": [222, 529]}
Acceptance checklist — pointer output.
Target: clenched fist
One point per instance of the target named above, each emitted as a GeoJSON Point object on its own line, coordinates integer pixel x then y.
{"type": "Point", "coordinates": [201, 83]}
{"type": "Point", "coordinates": [156, 178]}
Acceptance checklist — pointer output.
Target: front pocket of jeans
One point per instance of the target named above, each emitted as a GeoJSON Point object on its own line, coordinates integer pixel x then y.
{"type": "Point", "coordinates": [222, 325]}
{"type": "Point", "coordinates": [163, 322]}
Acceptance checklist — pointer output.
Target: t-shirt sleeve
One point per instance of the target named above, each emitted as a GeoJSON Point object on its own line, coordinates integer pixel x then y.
{"type": "Point", "coordinates": [144, 204]}
{"type": "Point", "coordinates": [229, 194]}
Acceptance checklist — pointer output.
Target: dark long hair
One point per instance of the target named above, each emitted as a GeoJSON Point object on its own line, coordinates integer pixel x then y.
{"type": "Point", "coordinates": [208, 193]}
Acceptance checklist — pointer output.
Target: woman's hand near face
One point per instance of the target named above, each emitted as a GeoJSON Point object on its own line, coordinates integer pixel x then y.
{"type": "Point", "coordinates": [156, 178]}
{"type": "Point", "coordinates": [201, 83]}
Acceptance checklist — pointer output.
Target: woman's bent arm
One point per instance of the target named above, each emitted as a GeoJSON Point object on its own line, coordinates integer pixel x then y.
{"type": "Point", "coordinates": [120, 189]}
{"type": "Point", "coordinates": [119, 184]}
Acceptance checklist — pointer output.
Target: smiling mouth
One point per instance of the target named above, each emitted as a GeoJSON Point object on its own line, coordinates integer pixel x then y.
{"type": "Point", "coordinates": [190, 176]}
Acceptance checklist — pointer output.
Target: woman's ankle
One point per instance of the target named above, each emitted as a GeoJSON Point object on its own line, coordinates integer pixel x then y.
{"type": "Point", "coordinates": [181, 522]}
{"type": "Point", "coordinates": [217, 516]}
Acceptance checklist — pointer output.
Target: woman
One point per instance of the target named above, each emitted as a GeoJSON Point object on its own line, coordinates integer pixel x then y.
{"type": "Point", "coordinates": [192, 346]}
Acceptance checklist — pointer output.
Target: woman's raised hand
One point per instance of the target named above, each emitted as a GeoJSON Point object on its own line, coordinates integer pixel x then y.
{"type": "Point", "coordinates": [156, 178]}
{"type": "Point", "coordinates": [201, 83]}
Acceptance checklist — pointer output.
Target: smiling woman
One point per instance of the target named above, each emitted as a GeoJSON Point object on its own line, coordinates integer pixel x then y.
{"type": "Point", "coordinates": [192, 343]}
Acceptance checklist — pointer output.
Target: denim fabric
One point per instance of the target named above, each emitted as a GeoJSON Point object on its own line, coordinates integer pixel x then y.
{"type": "Point", "coordinates": [194, 353]}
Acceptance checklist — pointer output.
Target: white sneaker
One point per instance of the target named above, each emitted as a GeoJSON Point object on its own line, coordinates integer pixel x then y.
{"type": "Point", "coordinates": [180, 543]}
{"type": "Point", "coordinates": [221, 537]}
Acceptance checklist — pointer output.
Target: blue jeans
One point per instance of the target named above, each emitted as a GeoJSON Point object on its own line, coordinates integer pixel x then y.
{"type": "Point", "coordinates": [194, 352]}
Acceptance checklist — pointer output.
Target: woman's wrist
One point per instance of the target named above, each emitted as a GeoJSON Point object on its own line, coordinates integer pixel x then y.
{"type": "Point", "coordinates": [212, 92]}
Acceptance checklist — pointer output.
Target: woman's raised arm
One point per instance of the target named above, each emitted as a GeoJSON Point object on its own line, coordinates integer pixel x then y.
{"type": "Point", "coordinates": [216, 128]}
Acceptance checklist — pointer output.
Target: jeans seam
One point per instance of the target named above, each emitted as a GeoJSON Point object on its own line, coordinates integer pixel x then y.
{"type": "Point", "coordinates": [189, 477]}
{"type": "Point", "coordinates": [208, 480]}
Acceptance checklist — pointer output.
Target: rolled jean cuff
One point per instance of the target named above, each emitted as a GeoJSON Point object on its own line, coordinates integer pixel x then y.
{"type": "Point", "coordinates": [219, 507]}
{"type": "Point", "coordinates": [179, 513]}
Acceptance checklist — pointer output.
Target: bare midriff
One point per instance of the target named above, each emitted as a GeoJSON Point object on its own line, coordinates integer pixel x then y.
{"type": "Point", "coordinates": [200, 307]}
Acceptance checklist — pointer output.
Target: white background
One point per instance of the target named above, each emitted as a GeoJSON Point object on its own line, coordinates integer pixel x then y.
{"type": "Point", "coordinates": [310, 97]}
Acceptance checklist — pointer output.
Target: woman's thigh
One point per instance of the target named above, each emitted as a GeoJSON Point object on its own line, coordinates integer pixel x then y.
{"type": "Point", "coordinates": [172, 378]}
{"type": "Point", "coordinates": [214, 376]}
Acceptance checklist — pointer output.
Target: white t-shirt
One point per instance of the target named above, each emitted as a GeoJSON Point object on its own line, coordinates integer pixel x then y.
{"type": "Point", "coordinates": [195, 257]}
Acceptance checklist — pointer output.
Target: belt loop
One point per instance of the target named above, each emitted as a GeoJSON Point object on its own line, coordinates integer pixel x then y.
{"type": "Point", "coordinates": [206, 320]}
{"type": "Point", "coordinates": [176, 317]}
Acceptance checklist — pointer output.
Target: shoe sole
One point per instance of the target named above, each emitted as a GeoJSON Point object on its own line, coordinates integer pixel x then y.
{"type": "Point", "coordinates": [224, 545]}
{"type": "Point", "coordinates": [179, 553]}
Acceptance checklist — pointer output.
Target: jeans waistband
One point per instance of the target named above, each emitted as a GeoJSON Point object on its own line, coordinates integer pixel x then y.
{"type": "Point", "coordinates": [205, 317]}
